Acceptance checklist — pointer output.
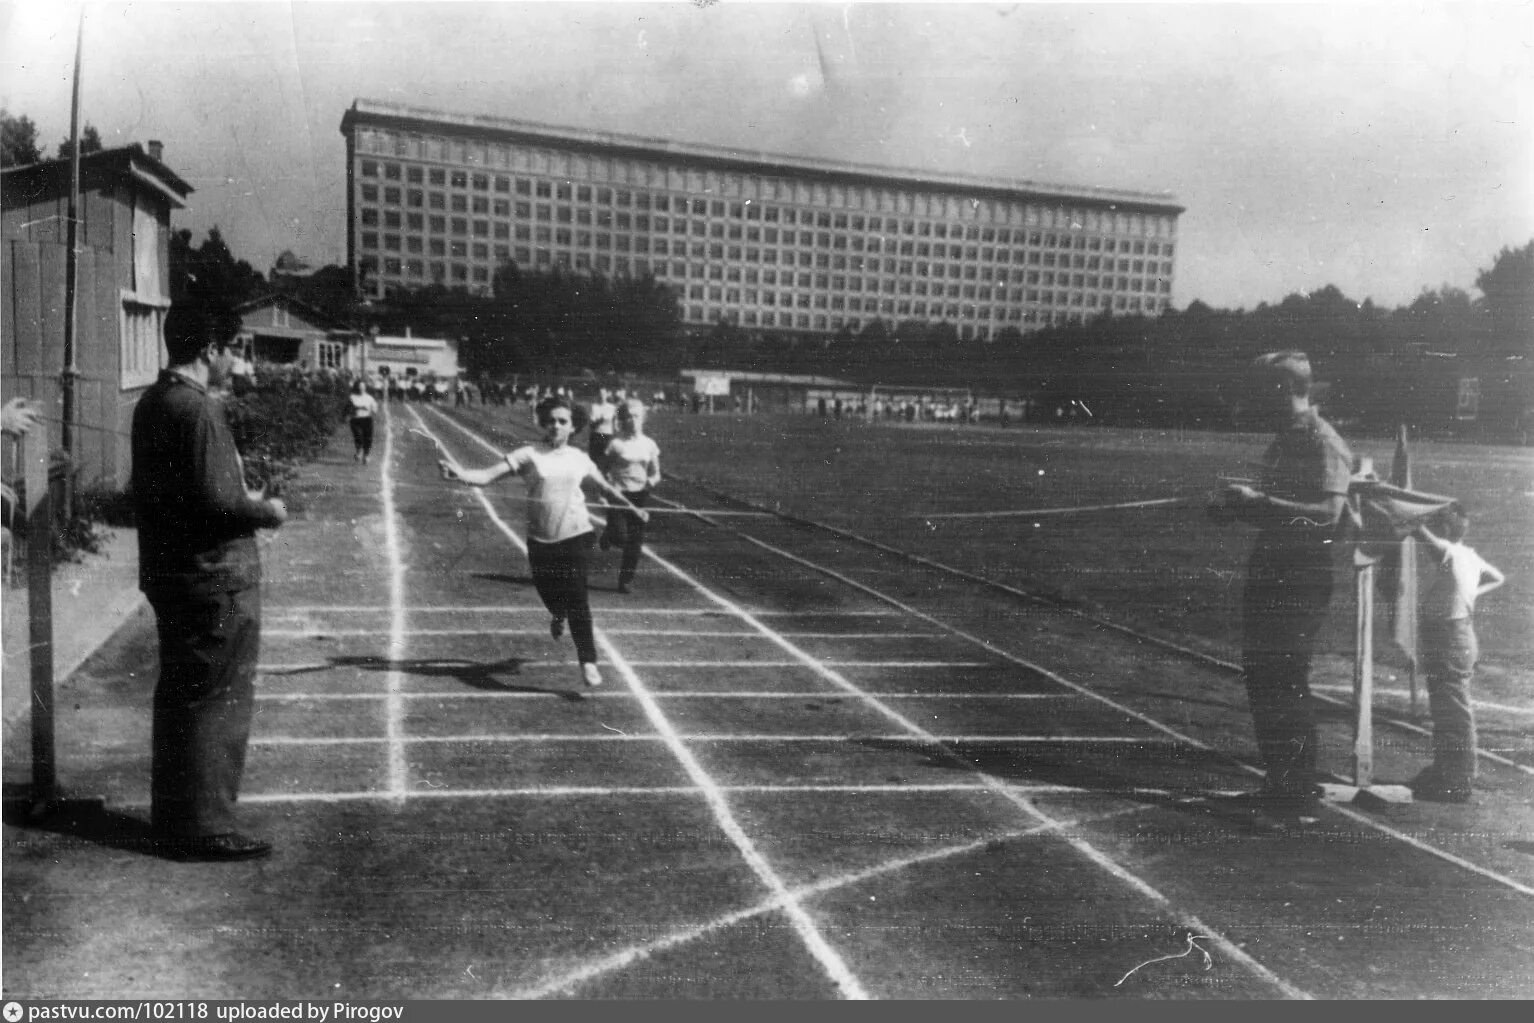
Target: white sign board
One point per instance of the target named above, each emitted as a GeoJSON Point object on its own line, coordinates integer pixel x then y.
{"type": "Point", "coordinates": [711, 383]}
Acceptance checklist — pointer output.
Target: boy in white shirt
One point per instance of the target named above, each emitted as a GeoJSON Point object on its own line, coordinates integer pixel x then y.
{"type": "Point", "coordinates": [1449, 652]}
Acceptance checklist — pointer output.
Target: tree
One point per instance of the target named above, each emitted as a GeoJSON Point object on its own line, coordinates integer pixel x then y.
{"type": "Point", "coordinates": [90, 142]}
{"type": "Point", "coordinates": [18, 140]}
{"type": "Point", "coordinates": [1509, 290]}
{"type": "Point", "coordinates": [206, 285]}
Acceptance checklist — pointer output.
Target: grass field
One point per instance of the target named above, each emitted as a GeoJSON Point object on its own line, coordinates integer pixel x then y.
{"type": "Point", "coordinates": [1166, 569]}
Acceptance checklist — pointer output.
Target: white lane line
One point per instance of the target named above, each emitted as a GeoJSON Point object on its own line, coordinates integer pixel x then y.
{"type": "Point", "coordinates": [297, 611]}
{"type": "Point", "coordinates": [809, 933]}
{"type": "Point", "coordinates": [308, 666]}
{"type": "Point", "coordinates": [637, 953]}
{"type": "Point", "coordinates": [670, 694]}
{"type": "Point", "coordinates": [1405, 695]}
{"type": "Point", "coordinates": [394, 680]}
{"type": "Point", "coordinates": [839, 737]}
{"type": "Point", "coordinates": [320, 633]}
{"type": "Point", "coordinates": [1189, 920]}
{"type": "Point", "coordinates": [550, 791]}
{"type": "Point", "coordinates": [1251, 769]}
{"type": "Point", "coordinates": [1080, 844]}
{"type": "Point", "coordinates": [1417, 843]}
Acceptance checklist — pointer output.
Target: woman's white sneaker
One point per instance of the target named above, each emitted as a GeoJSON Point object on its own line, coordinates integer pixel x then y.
{"type": "Point", "coordinates": [591, 675]}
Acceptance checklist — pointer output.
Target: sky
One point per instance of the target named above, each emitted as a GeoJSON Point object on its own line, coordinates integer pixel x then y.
{"type": "Point", "coordinates": [1380, 148]}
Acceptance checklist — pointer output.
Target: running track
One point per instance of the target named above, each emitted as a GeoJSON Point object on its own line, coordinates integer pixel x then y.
{"type": "Point", "coordinates": [808, 776]}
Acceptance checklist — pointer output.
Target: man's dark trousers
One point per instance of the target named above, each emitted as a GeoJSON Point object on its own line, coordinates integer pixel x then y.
{"type": "Point", "coordinates": [202, 708]}
{"type": "Point", "coordinates": [1288, 591]}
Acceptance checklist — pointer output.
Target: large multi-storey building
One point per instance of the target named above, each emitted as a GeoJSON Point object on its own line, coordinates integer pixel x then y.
{"type": "Point", "coordinates": [766, 242]}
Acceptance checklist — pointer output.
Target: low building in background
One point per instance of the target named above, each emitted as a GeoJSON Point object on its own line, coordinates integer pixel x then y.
{"type": "Point", "coordinates": [410, 356]}
{"type": "Point", "coordinates": [121, 297]}
{"type": "Point", "coordinates": [281, 330]}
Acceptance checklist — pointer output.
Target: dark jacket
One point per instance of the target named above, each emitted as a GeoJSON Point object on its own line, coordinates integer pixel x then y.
{"type": "Point", "coordinates": [196, 522]}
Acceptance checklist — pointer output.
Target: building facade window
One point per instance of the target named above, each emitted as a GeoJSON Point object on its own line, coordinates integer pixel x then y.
{"type": "Point", "coordinates": [636, 203]}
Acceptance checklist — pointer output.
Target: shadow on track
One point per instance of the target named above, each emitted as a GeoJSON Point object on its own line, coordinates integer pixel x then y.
{"type": "Point", "coordinates": [85, 821]}
{"type": "Point", "coordinates": [1191, 773]}
{"type": "Point", "coordinates": [486, 676]}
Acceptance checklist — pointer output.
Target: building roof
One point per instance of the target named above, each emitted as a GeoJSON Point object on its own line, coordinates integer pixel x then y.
{"type": "Point", "coordinates": [310, 312]}
{"type": "Point", "coordinates": [491, 128]}
{"type": "Point", "coordinates": [431, 343]}
{"type": "Point", "coordinates": [24, 183]}
{"type": "Point", "coordinates": [790, 379]}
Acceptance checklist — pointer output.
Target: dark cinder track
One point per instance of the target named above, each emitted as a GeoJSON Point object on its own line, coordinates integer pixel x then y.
{"type": "Point", "coordinates": [817, 770]}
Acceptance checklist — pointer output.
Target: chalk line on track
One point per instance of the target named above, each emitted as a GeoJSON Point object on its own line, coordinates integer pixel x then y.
{"type": "Point", "coordinates": [536, 737]}
{"type": "Point", "coordinates": [394, 681]}
{"type": "Point", "coordinates": [638, 953]}
{"type": "Point", "coordinates": [673, 694]}
{"type": "Point", "coordinates": [1081, 845]}
{"type": "Point", "coordinates": [1198, 655]}
{"type": "Point", "coordinates": [554, 791]}
{"type": "Point", "coordinates": [302, 611]}
{"type": "Point", "coordinates": [809, 932]}
{"type": "Point", "coordinates": [309, 666]}
{"type": "Point", "coordinates": [706, 633]}
{"type": "Point", "coordinates": [1252, 769]}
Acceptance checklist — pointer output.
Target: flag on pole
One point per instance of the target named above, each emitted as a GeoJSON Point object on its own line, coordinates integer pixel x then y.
{"type": "Point", "coordinates": [1402, 572]}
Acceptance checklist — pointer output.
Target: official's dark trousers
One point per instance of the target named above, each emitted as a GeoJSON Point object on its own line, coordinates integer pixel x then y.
{"type": "Point", "coordinates": [202, 709]}
{"type": "Point", "coordinates": [559, 576]}
{"type": "Point", "coordinates": [625, 531]}
{"type": "Point", "coordinates": [1288, 591]}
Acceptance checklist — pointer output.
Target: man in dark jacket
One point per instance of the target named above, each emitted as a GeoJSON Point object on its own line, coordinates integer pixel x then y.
{"type": "Point", "coordinates": [1296, 506]}
{"type": "Point", "coordinates": [200, 569]}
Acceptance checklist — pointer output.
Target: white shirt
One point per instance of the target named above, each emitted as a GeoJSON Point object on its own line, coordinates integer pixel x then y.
{"type": "Point", "coordinates": [556, 507]}
{"type": "Point", "coordinates": [363, 405]}
{"type": "Point", "coordinates": [629, 460]}
{"type": "Point", "coordinates": [1452, 592]}
{"type": "Point", "coordinates": [602, 417]}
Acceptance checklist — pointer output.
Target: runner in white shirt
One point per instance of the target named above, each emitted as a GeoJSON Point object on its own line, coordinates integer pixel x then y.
{"type": "Point", "coordinates": [363, 408]}
{"type": "Point", "coordinates": [559, 531]}
{"type": "Point", "coordinates": [632, 465]}
{"type": "Point", "coordinates": [600, 428]}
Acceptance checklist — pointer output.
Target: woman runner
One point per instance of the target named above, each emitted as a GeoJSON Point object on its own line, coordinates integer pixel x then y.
{"type": "Point", "coordinates": [632, 464]}
{"type": "Point", "coordinates": [559, 531]}
{"type": "Point", "coordinates": [363, 407]}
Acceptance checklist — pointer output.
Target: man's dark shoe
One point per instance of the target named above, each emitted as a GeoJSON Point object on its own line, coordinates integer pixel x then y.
{"type": "Point", "coordinates": [216, 848]}
{"type": "Point", "coordinates": [1434, 790]}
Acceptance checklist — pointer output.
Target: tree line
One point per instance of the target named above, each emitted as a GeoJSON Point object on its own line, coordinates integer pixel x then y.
{"type": "Point", "coordinates": [19, 141]}
{"type": "Point", "coordinates": [1384, 366]}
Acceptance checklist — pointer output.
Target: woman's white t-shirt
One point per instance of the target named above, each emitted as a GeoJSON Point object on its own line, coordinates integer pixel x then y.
{"type": "Point", "coordinates": [363, 405]}
{"type": "Point", "coordinates": [556, 507]}
{"type": "Point", "coordinates": [628, 462]}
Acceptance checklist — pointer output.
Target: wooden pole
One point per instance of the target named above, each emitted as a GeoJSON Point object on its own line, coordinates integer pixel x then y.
{"type": "Point", "coordinates": [39, 515]}
{"type": "Point", "coordinates": [1363, 673]}
{"type": "Point", "coordinates": [71, 368]}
